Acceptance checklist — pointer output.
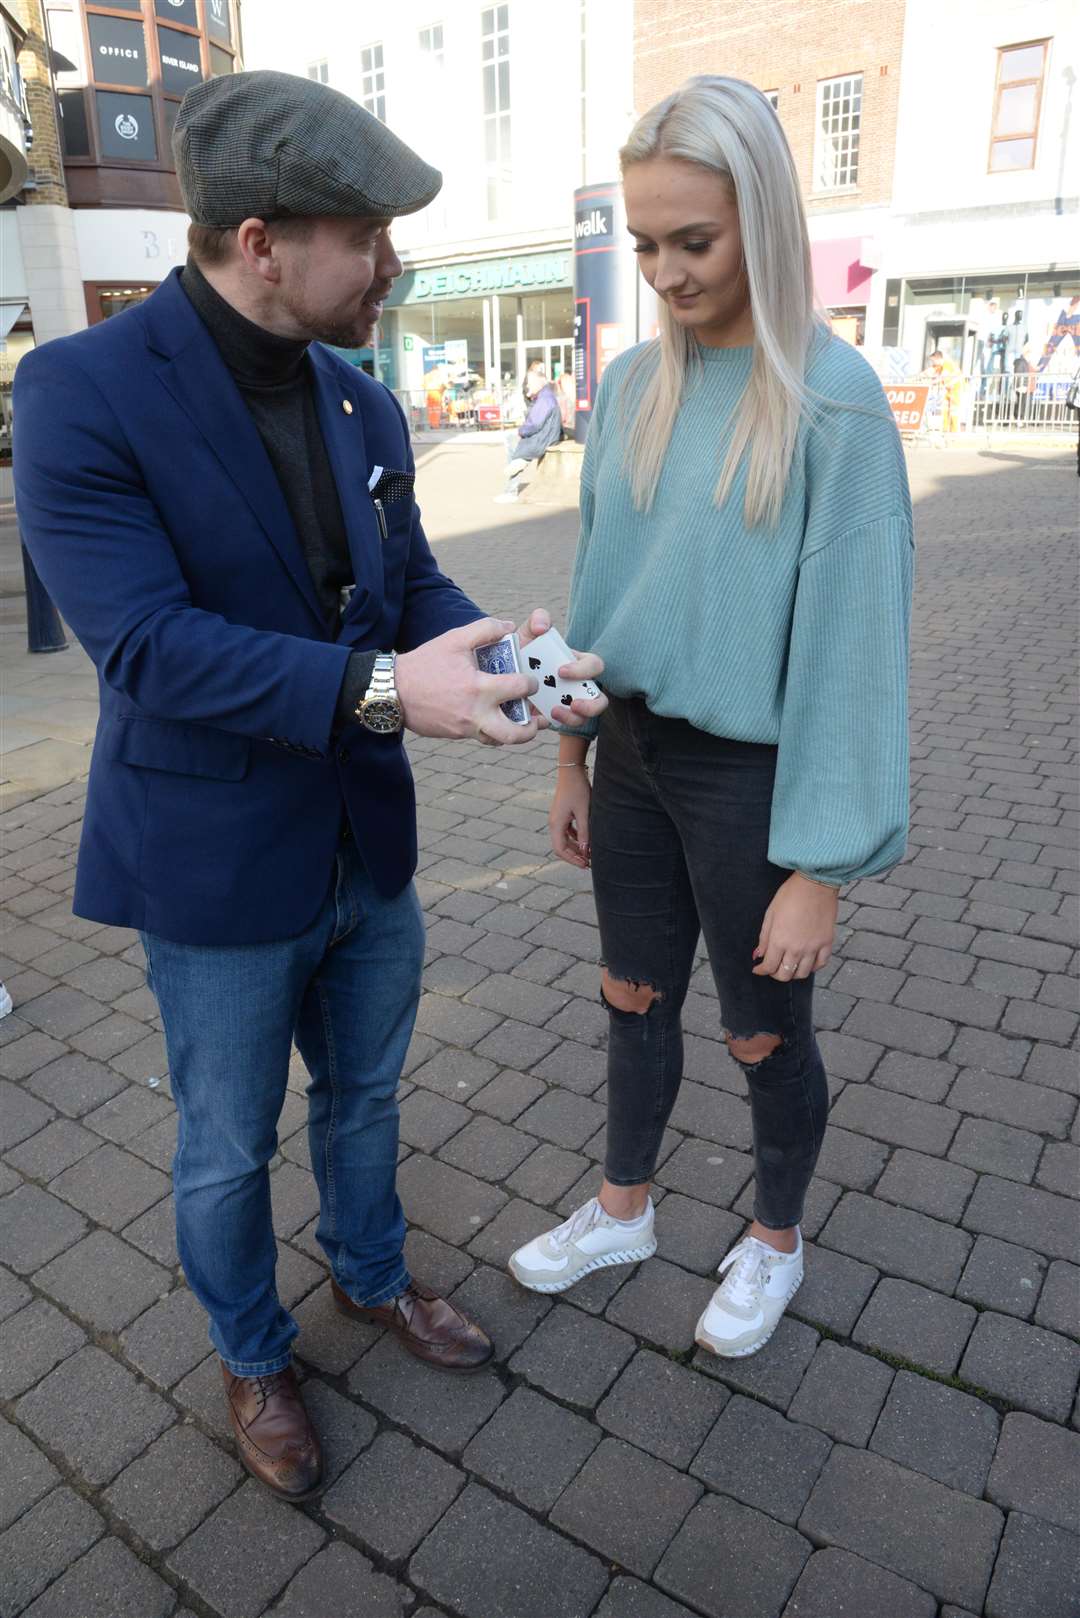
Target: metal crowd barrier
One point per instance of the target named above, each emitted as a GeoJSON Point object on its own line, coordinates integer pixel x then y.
{"type": "Point", "coordinates": [1022, 402]}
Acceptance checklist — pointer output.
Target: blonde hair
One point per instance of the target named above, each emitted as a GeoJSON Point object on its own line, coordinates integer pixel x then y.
{"type": "Point", "coordinates": [728, 128]}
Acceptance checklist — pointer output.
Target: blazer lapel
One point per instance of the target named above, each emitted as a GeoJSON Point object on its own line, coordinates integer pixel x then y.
{"type": "Point", "coordinates": [197, 378]}
{"type": "Point", "coordinates": [337, 401]}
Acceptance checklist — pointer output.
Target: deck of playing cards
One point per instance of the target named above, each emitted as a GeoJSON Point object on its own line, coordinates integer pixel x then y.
{"type": "Point", "coordinates": [544, 657]}
{"type": "Point", "coordinates": [504, 657]}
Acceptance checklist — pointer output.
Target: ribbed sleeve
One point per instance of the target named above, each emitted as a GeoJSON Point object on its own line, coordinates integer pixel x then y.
{"type": "Point", "coordinates": [840, 804]}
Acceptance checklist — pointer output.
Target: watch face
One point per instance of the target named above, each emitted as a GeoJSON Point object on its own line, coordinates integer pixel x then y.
{"type": "Point", "coordinates": [383, 714]}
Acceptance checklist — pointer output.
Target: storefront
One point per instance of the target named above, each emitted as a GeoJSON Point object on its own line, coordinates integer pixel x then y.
{"type": "Point", "coordinates": [987, 322]}
{"type": "Point", "coordinates": [478, 322]}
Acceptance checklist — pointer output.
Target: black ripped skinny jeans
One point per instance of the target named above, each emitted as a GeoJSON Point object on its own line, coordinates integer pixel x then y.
{"type": "Point", "coordinates": [680, 832]}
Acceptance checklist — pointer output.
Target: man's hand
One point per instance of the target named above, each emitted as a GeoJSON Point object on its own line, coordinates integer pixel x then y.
{"type": "Point", "coordinates": [443, 693]}
{"type": "Point", "coordinates": [584, 667]}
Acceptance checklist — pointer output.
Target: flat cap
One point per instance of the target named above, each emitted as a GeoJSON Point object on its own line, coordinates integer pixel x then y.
{"type": "Point", "coordinates": [264, 145]}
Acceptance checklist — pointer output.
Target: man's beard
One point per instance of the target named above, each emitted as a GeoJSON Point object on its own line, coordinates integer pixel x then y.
{"type": "Point", "coordinates": [322, 328]}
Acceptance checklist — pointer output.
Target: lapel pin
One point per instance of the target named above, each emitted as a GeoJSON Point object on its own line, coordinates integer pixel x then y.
{"type": "Point", "coordinates": [346, 405]}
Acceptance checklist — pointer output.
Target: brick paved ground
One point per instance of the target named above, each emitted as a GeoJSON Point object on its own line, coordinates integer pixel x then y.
{"type": "Point", "coordinates": [905, 1447]}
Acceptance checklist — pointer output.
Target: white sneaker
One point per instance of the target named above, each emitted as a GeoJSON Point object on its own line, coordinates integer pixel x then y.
{"type": "Point", "coordinates": [5, 1000]}
{"type": "Point", "coordinates": [745, 1309]}
{"type": "Point", "coordinates": [589, 1240]}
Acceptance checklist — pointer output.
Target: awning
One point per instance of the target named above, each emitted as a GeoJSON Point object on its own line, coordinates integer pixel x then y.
{"type": "Point", "coordinates": [841, 278]}
{"type": "Point", "coordinates": [9, 314]}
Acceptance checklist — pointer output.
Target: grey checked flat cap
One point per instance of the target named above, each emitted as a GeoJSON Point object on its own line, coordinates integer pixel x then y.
{"type": "Point", "coordinates": [263, 145]}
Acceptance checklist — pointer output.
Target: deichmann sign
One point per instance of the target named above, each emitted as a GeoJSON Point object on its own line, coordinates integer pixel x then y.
{"type": "Point", "coordinates": [522, 274]}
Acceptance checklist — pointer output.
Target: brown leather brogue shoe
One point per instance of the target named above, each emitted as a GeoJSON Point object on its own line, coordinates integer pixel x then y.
{"type": "Point", "coordinates": [427, 1325]}
{"type": "Point", "coordinates": [274, 1437]}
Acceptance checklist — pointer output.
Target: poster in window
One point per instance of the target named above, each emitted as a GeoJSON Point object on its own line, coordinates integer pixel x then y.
{"type": "Point", "coordinates": [182, 11]}
{"type": "Point", "coordinates": [181, 63]}
{"type": "Point", "coordinates": [218, 20]}
{"type": "Point", "coordinates": [126, 127]}
{"type": "Point", "coordinates": [118, 51]}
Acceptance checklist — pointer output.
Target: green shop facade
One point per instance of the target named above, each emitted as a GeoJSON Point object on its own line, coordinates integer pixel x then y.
{"type": "Point", "coordinates": [489, 317]}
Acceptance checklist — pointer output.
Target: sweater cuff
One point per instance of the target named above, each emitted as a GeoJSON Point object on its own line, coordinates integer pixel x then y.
{"type": "Point", "coordinates": [354, 684]}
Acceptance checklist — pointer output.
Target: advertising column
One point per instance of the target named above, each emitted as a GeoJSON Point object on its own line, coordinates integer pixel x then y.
{"type": "Point", "coordinates": [605, 293]}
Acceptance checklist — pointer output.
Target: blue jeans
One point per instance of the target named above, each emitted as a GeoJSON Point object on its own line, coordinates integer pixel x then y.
{"type": "Point", "coordinates": [347, 991]}
{"type": "Point", "coordinates": [680, 836]}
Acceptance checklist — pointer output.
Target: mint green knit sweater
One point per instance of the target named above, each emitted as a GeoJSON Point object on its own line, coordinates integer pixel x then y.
{"type": "Point", "coordinates": [796, 636]}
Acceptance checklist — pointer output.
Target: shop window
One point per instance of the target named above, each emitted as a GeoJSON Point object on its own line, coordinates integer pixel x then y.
{"type": "Point", "coordinates": [218, 20]}
{"type": "Point", "coordinates": [221, 62]}
{"type": "Point", "coordinates": [181, 61]}
{"type": "Point", "coordinates": [179, 11]}
{"type": "Point", "coordinates": [1017, 100]}
{"type": "Point", "coordinates": [431, 44]}
{"type": "Point", "coordinates": [118, 51]}
{"type": "Point", "coordinates": [319, 71]}
{"type": "Point", "coordinates": [495, 61]}
{"type": "Point", "coordinates": [373, 81]}
{"type": "Point", "coordinates": [126, 127]}
{"type": "Point", "coordinates": [66, 38]}
{"type": "Point", "coordinates": [74, 126]}
{"type": "Point", "coordinates": [836, 145]}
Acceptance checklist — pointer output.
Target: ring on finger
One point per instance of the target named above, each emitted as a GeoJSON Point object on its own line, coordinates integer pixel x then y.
{"type": "Point", "coordinates": [788, 966]}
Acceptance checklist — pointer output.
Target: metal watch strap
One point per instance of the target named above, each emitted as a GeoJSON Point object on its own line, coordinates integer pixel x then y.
{"type": "Point", "coordinates": [382, 677]}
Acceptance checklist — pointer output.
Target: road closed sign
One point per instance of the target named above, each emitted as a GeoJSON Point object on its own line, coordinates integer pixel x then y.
{"type": "Point", "coordinates": [907, 401]}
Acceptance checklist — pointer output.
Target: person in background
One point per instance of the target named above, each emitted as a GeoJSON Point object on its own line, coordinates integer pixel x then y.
{"type": "Point", "coordinates": [948, 379]}
{"type": "Point", "coordinates": [744, 570]}
{"type": "Point", "coordinates": [567, 391]}
{"type": "Point", "coordinates": [541, 428]}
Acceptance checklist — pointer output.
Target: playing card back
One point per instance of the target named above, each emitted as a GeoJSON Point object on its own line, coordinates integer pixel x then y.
{"type": "Point", "coordinates": [504, 657]}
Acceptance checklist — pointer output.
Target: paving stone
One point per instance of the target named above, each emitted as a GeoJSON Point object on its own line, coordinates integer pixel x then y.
{"type": "Point", "coordinates": [897, 1026]}
{"type": "Point", "coordinates": [1037, 1470]}
{"type": "Point", "coordinates": [427, 1119]}
{"type": "Point", "coordinates": [867, 981]}
{"type": "Point", "coordinates": [695, 1235]}
{"type": "Point", "coordinates": [927, 1184]}
{"type": "Point", "coordinates": [154, 1233]}
{"type": "Point", "coordinates": [340, 1580]}
{"type": "Point", "coordinates": [842, 1393]}
{"type": "Point", "coordinates": [1013, 1101]}
{"type": "Point", "coordinates": [564, 1118]}
{"type": "Point", "coordinates": [1029, 1367]}
{"type": "Point", "coordinates": [662, 1304]}
{"type": "Point", "coordinates": [94, 1413]}
{"type": "Point", "coordinates": [1002, 1277]}
{"type": "Point", "coordinates": [201, 1394]}
{"type": "Point", "coordinates": [938, 1430]}
{"type": "Point", "coordinates": [394, 1495]}
{"type": "Point", "coordinates": [1037, 1572]}
{"type": "Point", "coordinates": [774, 1372]}
{"type": "Point", "coordinates": [25, 1474]}
{"type": "Point", "coordinates": [918, 1076]}
{"type": "Point", "coordinates": [531, 1449]}
{"type": "Point", "coordinates": [506, 1311]}
{"type": "Point", "coordinates": [105, 1039]}
{"type": "Point", "coordinates": [573, 1357]}
{"type": "Point", "coordinates": [517, 1222]}
{"type": "Point", "coordinates": [453, 1021]}
{"type": "Point", "coordinates": [758, 1456]}
{"type": "Point", "coordinates": [834, 1289]}
{"type": "Point", "coordinates": [518, 1044]}
{"type": "Point", "coordinates": [507, 1095]}
{"type": "Point", "coordinates": [21, 1115]}
{"type": "Point", "coordinates": [445, 1412]}
{"type": "Point", "coordinates": [728, 1559]}
{"type": "Point", "coordinates": [1059, 1169]}
{"type": "Point", "coordinates": [158, 1143]}
{"type": "Point", "coordinates": [914, 1324]}
{"type": "Point", "coordinates": [487, 1559]}
{"type": "Point", "coordinates": [897, 1119]}
{"type": "Point", "coordinates": [169, 1340]}
{"type": "Point", "coordinates": [1054, 1067]}
{"type": "Point", "coordinates": [574, 1067]}
{"type": "Point", "coordinates": [993, 1148]}
{"type": "Point", "coordinates": [277, 1541]}
{"type": "Point", "coordinates": [31, 1343]}
{"type": "Point", "coordinates": [449, 1204]}
{"type": "Point", "coordinates": [52, 1149]}
{"type": "Point", "coordinates": [706, 1172]}
{"type": "Point", "coordinates": [1023, 1214]}
{"type": "Point", "coordinates": [61, 1011]}
{"type": "Point", "coordinates": [145, 1496]}
{"type": "Point", "coordinates": [897, 1240]}
{"type": "Point", "coordinates": [547, 1174]}
{"type": "Point", "coordinates": [13, 1295]}
{"type": "Point", "coordinates": [1059, 1301]}
{"type": "Point", "coordinates": [938, 1538]}
{"type": "Point", "coordinates": [128, 1114]}
{"type": "Point", "coordinates": [713, 1115]}
{"type": "Point", "coordinates": [35, 1227]}
{"type": "Point", "coordinates": [452, 974]}
{"type": "Point", "coordinates": [344, 1428]}
{"type": "Point", "coordinates": [662, 1407]}
{"type": "Point", "coordinates": [626, 1505]}
{"type": "Point", "coordinates": [108, 1582]}
{"type": "Point", "coordinates": [104, 1281]}
{"type": "Point", "coordinates": [629, 1598]}
{"type": "Point", "coordinates": [111, 1186]}
{"type": "Point", "coordinates": [436, 1264]}
{"type": "Point", "coordinates": [488, 1149]}
{"type": "Point", "coordinates": [835, 1582]}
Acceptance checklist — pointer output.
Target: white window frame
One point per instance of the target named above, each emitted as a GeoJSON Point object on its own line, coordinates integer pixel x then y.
{"type": "Point", "coordinates": [431, 43]}
{"type": "Point", "coordinates": [373, 80]}
{"type": "Point", "coordinates": [494, 57]}
{"type": "Point", "coordinates": [836, 133]}
{"type": "Point", "coordinates": [319, 71]}
{"type": "Point", "coordinates": [773, 98]}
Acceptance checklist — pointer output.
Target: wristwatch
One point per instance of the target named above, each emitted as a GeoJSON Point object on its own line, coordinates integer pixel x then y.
{"type": "Point", "coordinates": [380, 709]}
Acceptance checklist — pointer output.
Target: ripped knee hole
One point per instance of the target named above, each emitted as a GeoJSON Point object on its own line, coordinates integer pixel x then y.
{"type": "Point", "coordinates": [754, 1049]}
{"type": "Point", "coordinates": [626, 994]}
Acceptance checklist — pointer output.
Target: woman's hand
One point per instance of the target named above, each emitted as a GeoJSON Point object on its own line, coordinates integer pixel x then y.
{"type": "Point", "coordinates": [568, 820]}
{"type": "Point", "coordinates": [798, 930]}
{"type": "Point", "coordinates": [586, 666]}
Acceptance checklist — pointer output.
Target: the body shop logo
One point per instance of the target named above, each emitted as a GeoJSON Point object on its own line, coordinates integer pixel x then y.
{"type": "Point", "coordinates": [597, 222]}
{"type": "Point", "coordinates": [127, 127]}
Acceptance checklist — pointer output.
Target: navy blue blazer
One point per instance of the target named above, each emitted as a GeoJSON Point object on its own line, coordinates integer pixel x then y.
{"type": "Point", "coordinates": [155, 520]}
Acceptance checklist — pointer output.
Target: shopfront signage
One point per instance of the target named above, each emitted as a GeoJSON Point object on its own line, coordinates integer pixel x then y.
{"type": "Point", "coordinates": [181, 63]}
{"type": "Point", "coordinates": [594, 222]}
{"type": "Point", "coordinates": [217, 19]}
{"type": "Point", "coordinates": [126, 126]}
{"type": "Point", "coordinates": [118, 50]}
{"type": "Point", "coordinates": [526, 273]}
{"type": "Point", "coordinates": [181, 11]}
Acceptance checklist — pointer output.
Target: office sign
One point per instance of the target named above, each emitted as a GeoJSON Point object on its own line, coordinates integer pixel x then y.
{"type": "Point", "coordinates": [118, 51]}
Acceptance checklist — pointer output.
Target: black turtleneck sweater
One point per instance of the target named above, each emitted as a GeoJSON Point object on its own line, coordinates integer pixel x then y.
{"type": "Point", "coordinates": [274, 377]}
